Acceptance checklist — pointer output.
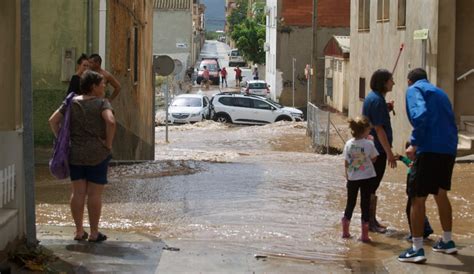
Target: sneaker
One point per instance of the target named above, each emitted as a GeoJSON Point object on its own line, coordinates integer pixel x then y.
{"type": "Point", "coordinates": [411, 256]}
{"type": "Point", "coordinates": [448, 248]}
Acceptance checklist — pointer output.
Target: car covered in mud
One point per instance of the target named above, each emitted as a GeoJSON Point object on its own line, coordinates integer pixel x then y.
{"type": "Point", "coordinates": [250, 109]}
{"type": "Point", "coordinates": [188, 108]}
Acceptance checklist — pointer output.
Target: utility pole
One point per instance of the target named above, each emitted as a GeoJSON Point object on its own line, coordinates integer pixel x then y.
{"type": "Point", "coordinates": [293, 82]}
{"type": "Point", "coordinates": [314, 49]}
{"type": "Point", "coordinates": [28, 137]}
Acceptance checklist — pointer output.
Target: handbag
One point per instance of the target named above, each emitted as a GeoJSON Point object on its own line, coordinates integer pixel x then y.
{"type": "Point", "coordinates": [59, 163]}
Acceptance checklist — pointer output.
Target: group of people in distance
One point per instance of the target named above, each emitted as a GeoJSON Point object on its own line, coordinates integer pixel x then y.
{"type": "Point", "coordinates": [430, 156]}
{"type": "Point", "coordinates": [92, 130]}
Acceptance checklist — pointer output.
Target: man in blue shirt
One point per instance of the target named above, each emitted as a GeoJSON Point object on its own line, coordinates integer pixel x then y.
{"type": "Point", "coordinates": [375, 108]}
{"type": "Point", "coordinates": [433, 148]}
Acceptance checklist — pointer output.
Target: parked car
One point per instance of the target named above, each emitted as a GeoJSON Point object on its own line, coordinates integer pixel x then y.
{"type": "Point", "coordinates": [250, 109]}
{"type": "Point", "coordinates": [212, 65]}
{"type": "Point", "coordinates": [235, 59]}
{"type": "Point", "coordinates": [256, 87]}
{"type": "Point", "coordinates": [188, 108]}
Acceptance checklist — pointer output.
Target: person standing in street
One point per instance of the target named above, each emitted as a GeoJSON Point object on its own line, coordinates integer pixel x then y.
{"type": "Point", "coordinates": [255, 73]}
{"type": "Point", "coordinates": [95, 63]}
{"type": "Point", "coordinates": [359, 153]}
{"type": "Point", "coordinates": [224, 77]}
{"type": "Point", "coordinates": [75, 83]}
{"type": "Point", "coordinates": [376, 109]}
{"type": "Point", "coordinates": [238, 76]}
{"type": "Point", "coordinates": [206, 77]}
{"type": "Point", "coordinates": [92, 131]}
{"type": "Point", "coordinates": [433, 147]}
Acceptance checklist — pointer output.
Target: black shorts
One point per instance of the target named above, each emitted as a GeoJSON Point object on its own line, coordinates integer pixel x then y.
{"type": "Point", "coordinates": [430, 172]}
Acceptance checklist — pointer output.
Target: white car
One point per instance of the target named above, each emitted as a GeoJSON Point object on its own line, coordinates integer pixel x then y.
{"type": "Point", "coordinates": [256, 87]}
{"type": "Point", "coordinates": [235, 59]}
{"type": "Point", "coordinates": [250, 109]}
{"type": "Point", "coordinates": [188, 108]}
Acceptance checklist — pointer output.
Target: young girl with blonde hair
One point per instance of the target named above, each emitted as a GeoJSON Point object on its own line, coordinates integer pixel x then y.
{"type": "Point", "coordinates": [359, 153]}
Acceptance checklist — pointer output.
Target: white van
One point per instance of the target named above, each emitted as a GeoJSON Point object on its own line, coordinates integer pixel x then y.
{"type": "Point", "coordinates": [235, 59]}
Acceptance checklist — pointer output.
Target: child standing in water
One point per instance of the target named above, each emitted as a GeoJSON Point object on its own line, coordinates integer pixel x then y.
{"type": "Point", "coordinates": [359, 153]}
{"type": "Point", "coordinates": [427, 231]}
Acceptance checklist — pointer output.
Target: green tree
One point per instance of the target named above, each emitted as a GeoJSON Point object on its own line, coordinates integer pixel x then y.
{"type": "Point", "coordinates": [249, 32]}
{"type": "Point", "coordinates": [249, 37]}
{"type": "Point", "coordinates": [238, 15]}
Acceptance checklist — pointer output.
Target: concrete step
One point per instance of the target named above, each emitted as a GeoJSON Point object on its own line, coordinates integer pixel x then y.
{"type": "Point", "coordinates": [8, 226]}
{"type": "Point", "coordinates": [466, 139]}
{"type": "Point", "coordinates": [469, 125]}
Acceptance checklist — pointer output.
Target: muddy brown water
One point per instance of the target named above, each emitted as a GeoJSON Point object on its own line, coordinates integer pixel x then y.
{"type": "Point", "coordinates": [257, 189]}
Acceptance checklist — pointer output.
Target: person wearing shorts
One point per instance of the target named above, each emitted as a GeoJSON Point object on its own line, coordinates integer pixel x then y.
{"type": "Point", "coordinates": [92, 130]}
{"type": "Point", "coordinates": [433, 146]}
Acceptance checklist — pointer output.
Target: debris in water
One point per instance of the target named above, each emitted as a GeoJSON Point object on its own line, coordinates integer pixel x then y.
{"type": "Point", "coordinates": [170, 248]}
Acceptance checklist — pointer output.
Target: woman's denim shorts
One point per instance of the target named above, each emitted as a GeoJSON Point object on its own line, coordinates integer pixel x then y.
{"type": "Point", "coordinates": [94, 174]}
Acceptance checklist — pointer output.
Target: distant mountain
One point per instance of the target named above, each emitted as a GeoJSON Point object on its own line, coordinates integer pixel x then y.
{"type": "Point", "coordinates": [215, 14]}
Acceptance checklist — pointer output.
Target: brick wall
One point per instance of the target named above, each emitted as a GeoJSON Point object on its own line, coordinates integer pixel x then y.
{"type": "Point", "coordinates": [297, 12]}
{"type": "Point", "coordinates": [334, 13]}
{"type": "Point", "coordinates": [331, 13]}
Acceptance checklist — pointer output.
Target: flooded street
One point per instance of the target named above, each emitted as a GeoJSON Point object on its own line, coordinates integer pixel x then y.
{"type": "Point", "coordinates": [249, 189]}
{"type": "Point", "coordinates": [257, 192]}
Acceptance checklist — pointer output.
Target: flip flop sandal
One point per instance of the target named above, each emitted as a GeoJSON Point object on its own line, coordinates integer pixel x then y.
{"type": "Point", "coordinates": [100, 238]}
{"type": "Point", "coordinates": [82, 238]}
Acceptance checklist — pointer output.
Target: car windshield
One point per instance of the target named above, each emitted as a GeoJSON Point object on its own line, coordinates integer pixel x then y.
{"type": "Point", "coordinates": [273, 102]}
{"type": "Point", "coordinates": [210, 67]}
{"type": "Point", "coordinates": [257, 85]}
{"type": "Point", "coordinates": [186, 102]}
{"type": "Point", "coordinates": [235, 53]}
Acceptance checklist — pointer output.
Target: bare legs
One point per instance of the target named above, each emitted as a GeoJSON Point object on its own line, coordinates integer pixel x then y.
{"type": "Point", "coordinates": [78, 197]}
{"type": "Point", "coordinates": [444, 209]}
{"type": "Point", "coordinates": [418, 213]}
{"type": "Point", "coordinates": [81, 189]}
{"type": "Point", "coordinates": [94, 207]}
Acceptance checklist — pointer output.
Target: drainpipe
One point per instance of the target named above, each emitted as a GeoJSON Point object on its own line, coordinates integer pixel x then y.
{"type": "Point", "coordinates": [102, 29]}
{"type": "Point", "coordinates": [89, 26]}
{"type": "Point", "coordinates": [28, 137]}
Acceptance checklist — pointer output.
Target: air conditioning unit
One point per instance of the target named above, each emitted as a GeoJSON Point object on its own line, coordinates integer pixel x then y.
{"type": "Point", "coordinates": [266, 46]}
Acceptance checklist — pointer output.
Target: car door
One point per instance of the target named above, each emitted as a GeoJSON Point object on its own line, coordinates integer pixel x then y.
{"type": "Point", "coordinates": [263, 112]}
{"type": "Point", "coordinates": [243, 110]}
{"type": "Point", "coordinates": [206, 107]}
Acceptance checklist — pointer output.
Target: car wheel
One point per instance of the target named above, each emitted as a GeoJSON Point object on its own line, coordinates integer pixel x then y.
{"type": "Point", "coordinates": [283, 118]}
{"type": "Point", "coordinates": [223, 118]}
{"type": "Point", "coordinates": [231, 64]}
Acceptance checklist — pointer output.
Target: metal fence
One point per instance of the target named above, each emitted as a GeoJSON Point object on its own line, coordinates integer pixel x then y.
{"type": "Point", "coordinates": [318, 128]}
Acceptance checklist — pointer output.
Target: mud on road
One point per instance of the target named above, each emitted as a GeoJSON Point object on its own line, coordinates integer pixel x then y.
{"type": "Point", "coordinates": [257, 190]}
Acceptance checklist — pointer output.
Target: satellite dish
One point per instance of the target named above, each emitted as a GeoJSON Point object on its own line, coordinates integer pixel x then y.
{"type": "Point", "coordinates": [163, 65]}
{"type": "Point", "coordinates": [178, 66]}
